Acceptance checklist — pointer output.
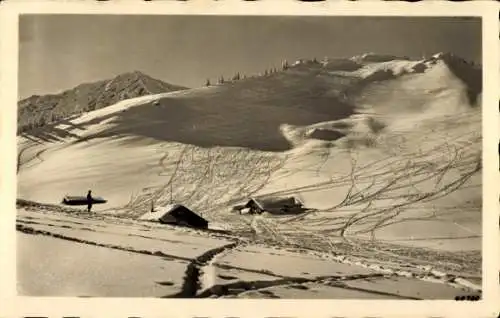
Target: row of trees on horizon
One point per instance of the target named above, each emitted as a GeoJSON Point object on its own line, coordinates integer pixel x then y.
{"type": "Point", "coordinates": [238, 76]}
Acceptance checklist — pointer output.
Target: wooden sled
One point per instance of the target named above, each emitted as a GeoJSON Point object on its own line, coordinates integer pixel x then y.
{"type": "Point", "coordinates": [81, 200]}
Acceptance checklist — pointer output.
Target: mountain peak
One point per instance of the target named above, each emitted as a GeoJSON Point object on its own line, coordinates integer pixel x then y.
{"type": "Point", "coordinates": [443, 55]}
{"type": "Point", "coordinates": [468, 72]}
{"type": "Point", "coordinates": [139, 73]}
{"type": "Point", "coordinates": [131, 74]}
{"type": "Point", "coordinates": [447, 56]}
{"type": "Point", "coordinates": [37, 111]}
{"type": "Point", "coordinates": [377, 57]}
{"type": "Point", "coordinates": [451, 59]}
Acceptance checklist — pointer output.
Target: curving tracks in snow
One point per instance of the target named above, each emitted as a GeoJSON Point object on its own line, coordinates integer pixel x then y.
{"type": "Point", "coordinates": [208, 179]}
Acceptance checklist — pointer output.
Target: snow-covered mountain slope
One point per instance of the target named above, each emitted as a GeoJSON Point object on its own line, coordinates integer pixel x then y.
{"type": "Point", "coordinates": [38, 111]}
{"type": "Point", "coordinates": [383, 148]}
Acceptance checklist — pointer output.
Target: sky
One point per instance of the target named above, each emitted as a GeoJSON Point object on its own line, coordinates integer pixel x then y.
{"type": "Point", "coordinates": [58, 52]}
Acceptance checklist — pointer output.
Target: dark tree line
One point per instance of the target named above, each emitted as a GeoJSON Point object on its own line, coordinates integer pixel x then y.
{"type": "Point", "coordinates": [238, 76]}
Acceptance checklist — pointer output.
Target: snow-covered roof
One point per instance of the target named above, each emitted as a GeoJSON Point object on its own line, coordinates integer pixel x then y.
{"type": "Point", "coordinates": [274, 202]}
{"type": "Point", "coordinates": [159, 212]}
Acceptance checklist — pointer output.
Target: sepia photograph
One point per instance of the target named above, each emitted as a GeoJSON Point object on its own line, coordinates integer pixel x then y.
{"type": "Point", "coordinates": [249, 157]}
{"type": "Point", "coordinates": [299, 157]}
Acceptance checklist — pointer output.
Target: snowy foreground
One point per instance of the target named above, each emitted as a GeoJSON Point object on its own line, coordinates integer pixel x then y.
{"type": "Point", "coordinates": [64, 255]}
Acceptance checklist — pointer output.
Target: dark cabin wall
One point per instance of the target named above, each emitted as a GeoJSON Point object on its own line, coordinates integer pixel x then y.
{"type": "Point", "coordinates": [184, 215]}
{"type": "Point", "coordinates": [254, 208]}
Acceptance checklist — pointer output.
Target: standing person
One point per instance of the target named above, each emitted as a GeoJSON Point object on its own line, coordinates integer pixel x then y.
{"type": "Point", "coordinates": [89, 200]}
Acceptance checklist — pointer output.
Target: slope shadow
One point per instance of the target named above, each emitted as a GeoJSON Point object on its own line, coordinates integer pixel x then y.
{"type": "Point", "coordinates": [326, 134]}
{"type": "Point", "coordinates": [51, 132]}
{"type": "Point", "coordinates": [473, 79]}
{"type": "Point", "coordinates": [247, 115]}
{"type": "Point", "coordinates": [48, 133]}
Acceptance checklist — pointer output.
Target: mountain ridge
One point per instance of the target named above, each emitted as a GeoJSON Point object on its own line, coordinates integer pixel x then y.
{"type": "Point", "coordinates": [299, 95]}
{"type": "Point", "coordinates": [38, 110]}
